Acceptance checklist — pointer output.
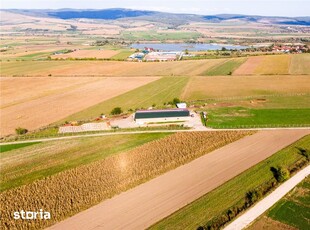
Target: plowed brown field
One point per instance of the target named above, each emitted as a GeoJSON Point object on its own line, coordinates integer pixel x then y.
{"type": "Point", "coordinates": [249, 66]}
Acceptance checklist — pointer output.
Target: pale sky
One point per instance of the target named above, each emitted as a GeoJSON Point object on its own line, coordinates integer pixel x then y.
{"type": "Point", "coordinates": [205, 7]}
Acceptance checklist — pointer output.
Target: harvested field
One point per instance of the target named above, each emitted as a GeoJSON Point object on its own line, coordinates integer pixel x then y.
{"type": "Point", "coordinates": [248, 67]}
{"type": "Point", "coordinates": [51, 99]}
{"type": "Point", "coordinates": [107, 68]}
{"type": "Point", "coordinates": [274, 65]}
{"type": "Point", "coordinates": [157, 92]}
{"type": "Point", "coordinates": [74, 190]}
{"type": "Point", "coordinates": [300, 64]}
{"type": "Point", "coordinates": [240, 86]}
{"type": "Point", "coordinates": [152, 201]}
{"type": "Point", "coordinates": [87, 54]}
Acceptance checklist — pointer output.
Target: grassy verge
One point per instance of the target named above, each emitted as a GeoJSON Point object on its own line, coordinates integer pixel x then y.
{"type": "Point", "coordinates": [214, 203]}
{"type": "Point", "coordinates": [22, 166]}
{"type": "Point", "coordinates": [238, 117]}
{"type": "Point", "coordinates": [226, 68]}
{"type": "Point", "coordinates": [158, 92]}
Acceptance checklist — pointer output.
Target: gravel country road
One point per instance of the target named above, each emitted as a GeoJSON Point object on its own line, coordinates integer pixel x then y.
{"type": "Point", "coordinates": [150, 202]}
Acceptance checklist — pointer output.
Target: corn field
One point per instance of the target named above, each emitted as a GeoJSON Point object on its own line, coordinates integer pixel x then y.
{"type": "Point", "coordinates": [69, 192]}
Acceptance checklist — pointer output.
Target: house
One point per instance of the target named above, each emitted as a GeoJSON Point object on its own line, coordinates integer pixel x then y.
{"type": "Point", "coordinates": [159, 116]}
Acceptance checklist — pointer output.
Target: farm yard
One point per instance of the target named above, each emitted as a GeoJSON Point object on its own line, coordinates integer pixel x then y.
{"type": "Point", "coordinates": [115, 172]}
{"type": "Point", "coordinates": [51, 99]}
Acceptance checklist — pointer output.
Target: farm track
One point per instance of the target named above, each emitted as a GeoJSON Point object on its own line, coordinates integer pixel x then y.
{"type": "Point", "coordinates": [139, 132]}
{"type": "Point", "coordinates": [150, 202]}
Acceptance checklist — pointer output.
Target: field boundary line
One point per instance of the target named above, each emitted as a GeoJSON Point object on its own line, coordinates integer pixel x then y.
{"type": "Point", "coordinates": [45, 139]}
{"type": "Point", "coordinates": [262, 206]}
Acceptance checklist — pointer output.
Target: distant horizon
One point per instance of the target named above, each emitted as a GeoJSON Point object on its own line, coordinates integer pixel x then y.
{"type": "Point", "coordinates": [98, 9]}
{"type": "Point", "coordinates": [276, 8]}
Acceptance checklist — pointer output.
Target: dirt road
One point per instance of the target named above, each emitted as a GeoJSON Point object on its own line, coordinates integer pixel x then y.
{"type": "Point", "coordinates": [148, 203]}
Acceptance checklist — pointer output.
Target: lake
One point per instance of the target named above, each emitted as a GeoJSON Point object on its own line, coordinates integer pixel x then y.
{"type": "Point", "coordinates": [184, 46]}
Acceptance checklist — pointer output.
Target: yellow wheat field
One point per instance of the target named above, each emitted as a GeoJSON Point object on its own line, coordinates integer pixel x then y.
{"type": "Point", "coordinates": [72, 191]}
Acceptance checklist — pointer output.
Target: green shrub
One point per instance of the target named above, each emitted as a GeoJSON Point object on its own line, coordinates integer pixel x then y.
{"type": "Point", "coordinates": [116, 111]}
{"type": "Point", "coordinates": [21, 131]}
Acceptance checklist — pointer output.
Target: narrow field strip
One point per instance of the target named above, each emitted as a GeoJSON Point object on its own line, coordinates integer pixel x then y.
{"type": "Point", "coordinates": [226, 68]}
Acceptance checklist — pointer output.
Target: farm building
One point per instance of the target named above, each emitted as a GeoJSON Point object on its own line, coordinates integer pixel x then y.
{"type": "Point", "coordinates": [163, 56]}
{"type": "Point", "coordinates": [167, 115]}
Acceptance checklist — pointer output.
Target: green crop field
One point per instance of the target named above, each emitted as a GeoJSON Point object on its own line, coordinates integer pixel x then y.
{"type": "Point", "coordinates": [226, 68]}
{"type": "Point", "coordinates": [9, 147]}
{"type": "Point", "coordinates": [248, 117]}
{"type": "Point", "coordinates": [154, 35]}
{"type": "Point", "coordinates": [294, 208]}
{"type": "Point", "coordinates": [291, 213]}
{"type": "Point", "coordinates": [222, 198]}
{"type": "Point", "coordinates": [157, 92]}
{"type": "Point", "coordinates": [123, 55]}
{"type": "Point", "coordinates": [22, 166]}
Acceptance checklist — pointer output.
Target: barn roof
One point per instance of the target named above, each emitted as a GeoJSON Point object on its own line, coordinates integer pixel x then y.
{"type": "Point", "coordinates": [142, 114]}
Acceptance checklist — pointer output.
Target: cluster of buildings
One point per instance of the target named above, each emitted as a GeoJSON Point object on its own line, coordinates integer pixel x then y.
{"type": "Point", "coordinates": [290, 49]}
{"type": "Point", "coordinates": [149, 54]}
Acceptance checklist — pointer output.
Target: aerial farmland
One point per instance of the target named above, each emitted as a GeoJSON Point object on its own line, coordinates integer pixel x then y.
{"type": "Point", "coordinates": [138, 119]}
